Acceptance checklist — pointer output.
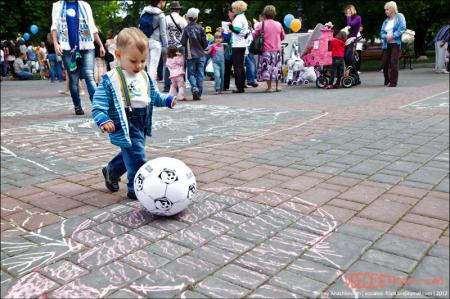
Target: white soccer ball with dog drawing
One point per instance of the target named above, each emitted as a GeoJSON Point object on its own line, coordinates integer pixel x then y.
{"type": "Point", "coordinates": [165, 186]}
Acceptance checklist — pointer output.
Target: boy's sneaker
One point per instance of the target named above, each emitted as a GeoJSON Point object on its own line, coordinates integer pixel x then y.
{"type": "Point", "coordinates": [195, 95]}
{"type": "Point", "coordinates": [79, 110]}
{"type": "Point", "coordinates": [131, 195]}
{"type": "Point", "coordinates": [110, 183]}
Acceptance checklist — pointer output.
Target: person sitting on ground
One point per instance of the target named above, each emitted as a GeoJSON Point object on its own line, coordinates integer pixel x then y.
{"type": "Point", "coordinates": [123, 106]}
{"type": "Point", "coordinates": [22, 71]}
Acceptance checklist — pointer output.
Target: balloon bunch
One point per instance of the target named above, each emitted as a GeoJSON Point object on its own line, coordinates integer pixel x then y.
{"type": "Point", "coordinates": [33, 29]}
{"type": "Point", "coordinates": [292, 23]}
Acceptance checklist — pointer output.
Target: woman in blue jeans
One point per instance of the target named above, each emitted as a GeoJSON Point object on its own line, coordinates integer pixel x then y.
{"type": "Point", "coordinates": [55, 62]}
{"type": "Point", "coordinates": [74, 32]}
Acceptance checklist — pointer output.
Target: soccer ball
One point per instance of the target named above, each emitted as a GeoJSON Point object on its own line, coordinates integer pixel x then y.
{"type": "Point", "coordinates": [165, 186]}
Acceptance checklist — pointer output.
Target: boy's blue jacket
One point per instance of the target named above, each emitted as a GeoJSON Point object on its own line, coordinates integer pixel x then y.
{"type": "Point", "coordinates": [108, 105]}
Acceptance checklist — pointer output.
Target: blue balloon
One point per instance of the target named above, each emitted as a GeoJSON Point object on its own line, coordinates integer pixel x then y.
{"type": "Point", "coordinates": [26, 36]}
{"type": "Point", "coordinates": [287, 20]}
{"type": "Point", "coordinates": [34, 29]}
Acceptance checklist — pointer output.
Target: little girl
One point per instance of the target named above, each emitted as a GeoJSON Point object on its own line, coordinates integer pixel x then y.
{"type": "Point", "coordinates": [175, 64]}
{"type": "Point", "coordinates": [337, 52]}
{"type": "Point", "coordinates": [218, 56]}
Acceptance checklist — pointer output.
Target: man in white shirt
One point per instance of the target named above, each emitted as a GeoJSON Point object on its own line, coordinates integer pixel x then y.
{"type": "Point", "coordinates": [175, 25]}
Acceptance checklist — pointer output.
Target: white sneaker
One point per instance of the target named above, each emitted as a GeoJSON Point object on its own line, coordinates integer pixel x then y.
{"type": "Point", "coordinates": [444, 72]}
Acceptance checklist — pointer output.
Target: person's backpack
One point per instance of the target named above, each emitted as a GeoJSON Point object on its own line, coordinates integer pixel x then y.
{"type": "Point", "coordinates": [146, 24]}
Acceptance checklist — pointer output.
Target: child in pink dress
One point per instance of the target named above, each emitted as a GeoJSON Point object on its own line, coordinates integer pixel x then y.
{"type": "Point", "coordinates": [175, 64]}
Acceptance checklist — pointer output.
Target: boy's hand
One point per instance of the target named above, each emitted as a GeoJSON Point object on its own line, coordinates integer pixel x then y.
{"type": "Point", "coordinates": [174, 102]}
{"type": "Point", "coordinates": [108, 127]}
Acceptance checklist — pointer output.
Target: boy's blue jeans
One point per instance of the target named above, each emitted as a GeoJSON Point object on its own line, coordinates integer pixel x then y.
{"type": "Point", "coordinates": [131, 159]}
{"type": "Point", "coordinates": [196, 73]}
{"type": "Point", "coordinates": [86, 70]}
{"type": "Point", "coordinates": [250, 68]}
{"type": "Point", "coordinates": [219, 74]}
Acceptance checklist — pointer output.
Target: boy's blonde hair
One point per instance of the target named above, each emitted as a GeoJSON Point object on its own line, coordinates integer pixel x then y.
{"type": "Point", "coordinates": [240, 6]}
{"type": "Point", "coordinates": [134, 37]}
{"type": "Point", "coordinates": [391, 4]}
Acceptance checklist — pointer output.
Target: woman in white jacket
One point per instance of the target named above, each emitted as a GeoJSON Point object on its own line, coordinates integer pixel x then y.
{"type": "Point", "coordinates": [74, 31]}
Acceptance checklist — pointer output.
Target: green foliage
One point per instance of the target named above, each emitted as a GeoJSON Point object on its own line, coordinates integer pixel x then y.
{"type": "Point", "coordinates": [19, 15]}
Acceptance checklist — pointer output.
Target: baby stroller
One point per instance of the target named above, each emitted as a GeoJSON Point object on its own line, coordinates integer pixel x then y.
{"type": "Point", "coordinates": [316, 53]}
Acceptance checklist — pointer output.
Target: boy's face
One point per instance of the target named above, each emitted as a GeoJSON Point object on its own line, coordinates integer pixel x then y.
{"type": "Point", "coordinates": [131, 59]}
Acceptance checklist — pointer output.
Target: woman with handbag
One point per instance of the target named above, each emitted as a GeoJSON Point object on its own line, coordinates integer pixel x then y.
{"type": "Point", "coordinates": [269, 62]}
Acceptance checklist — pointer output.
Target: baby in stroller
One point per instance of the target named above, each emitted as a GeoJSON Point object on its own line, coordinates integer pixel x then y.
{"type": "Point", "coordinates": [298, 74]}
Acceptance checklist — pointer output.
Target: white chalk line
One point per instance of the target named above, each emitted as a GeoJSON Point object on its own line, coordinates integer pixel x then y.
{"type": "Point", "coordinates": [424, 99]}
{"type": "Point", "coordinates": [9, 152]}
{"type": "Point", "coordinates": [238, 140]}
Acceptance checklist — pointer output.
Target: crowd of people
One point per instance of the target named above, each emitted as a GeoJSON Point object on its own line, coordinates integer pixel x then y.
{"type": "Point", "coordinates": [198, 48]}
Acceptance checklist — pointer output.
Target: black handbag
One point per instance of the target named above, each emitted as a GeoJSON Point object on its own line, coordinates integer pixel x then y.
{"type": "Point", "coordinates": [257, 45]}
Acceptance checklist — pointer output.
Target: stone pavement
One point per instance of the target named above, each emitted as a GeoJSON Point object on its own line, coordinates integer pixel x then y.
{"type": "Point", "coordinates": [304, 193]}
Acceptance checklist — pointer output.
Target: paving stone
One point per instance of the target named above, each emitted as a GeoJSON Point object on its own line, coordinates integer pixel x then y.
{"type": "Point", "coordinates": [199, 211]}
{"type": "Point", "coordinates": [168, 224]}
{"type": "Point", "coordinates": [150, 233]}
{"type": "Point", "coordinates": [31, 285]}
{"type": "Point", "coordinates": [301, 183]}
{"type": "Point", "coordinates": [63, 271]}
{"type": "Point", "coordinates": [443, 186]}
{"type": "Point", "coordinates": [384, 210]}
{"type": "Point", "coordinates": [5, 278]}
{"type": "Point", "coordinates": [89, 237]}
{"type": "Point", "coordinates": [135, 218]}
{"type": "Point", "coordinates": [416, 231]}
{"type": "Point", "coordinates": [34, 218]}
{"type": "Point", "coordinates": [362, 194]}
{"type": "Point", "coordinates": [160, 284]}
{"type": "Point", "coordinates": [241, 276]}
{"type": "Point", "coordinates": [368, 281]}
{"type": "Point", "coordinates": [299, 284]}
{"type": "Point", "coordinates": [315, 224]}
{"type": "Point", "coordinates": [428, 175]}
{"type": "Point", "coordinates": [335, 252]}
{"type": "Point", "coordinates": [437, 270]}
{"type": "Point", "coordinates": [145, 260]}
{"type": "Point", "coordinates": [108, 251]}
{"type": "Point", "coordinates": [266, 258]}
{"type": "Point", "coordinates": [433, 207]}
{"type": "Point", "coordinates": [270, 291]}
{"type": "Point", "coordinates": [316, 196]}
{"type": "Point", "coordinates": [359, 232]}
{"type": "Point", "coordinates": [231, 244]}
{"type": "Point", "coordinates": [99, 283]}
{"type": "Point", "coordinates": [403, 166]}
{"type": "Point", "coordinates": [16, 245]}
{"type": "Point", "coordinates": [439, 251]}
{"type": "Point", "coordinates": [230, 217]}
{"type": "Point", "coordinates": [214, 226]}
{"type": "Point", "coordinates": [386, 178]}
{"type": "Point", "coordinates": [124, 293]}
{"type": "Point", "coordinates": [248, 209]}
{"type": "Point", "coordinates": [346, 204]}
{"type": "Point", "coordinates": [336, 213]}
{"type": "Point", "coordinates": [190, 295]}
{"type": "Point", "coordinates": [214, 255]}
{"type": "Point", "coordinates": [368, 167]}
{"type": "Point", "coordinates": [26, 262]}
{"type": "Point", "coordinates": [300, 236]}
{"type": "Point", "coordinates": [111, 229]}
{"type": "Point", "coordinates": [100, 216]}
{"type": "Point", "coordinates": [401, 246]}
{"type": "Point", "coordinates": [407, 191]}
{"type": "Point", "coordinates": [217, 288]}
{"type": "Point", "coordinates": [192, 237]}
{"type": "Point", "coordinates": [167, 249]}
{"type": "Point", "coordinates": [427, 221]}
{"type": "Point", "coordinates": [314, 270]}
{"type": "Point", "coordinates": [259, 228]}
{"type": "Point", "coordinates": [190, 267]}
{"type": "Point", "coordinates": [389, 260]}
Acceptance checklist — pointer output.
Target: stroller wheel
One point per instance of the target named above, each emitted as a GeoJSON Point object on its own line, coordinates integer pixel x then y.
{"type": "Point", "coordinates": [306, 82]}
{"type": "Point", "coordinates": [355, 79]}
{"type": "Point", "coordinates": [321, 82]}
{"type": "Point", "coordinates": [348, 82]}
